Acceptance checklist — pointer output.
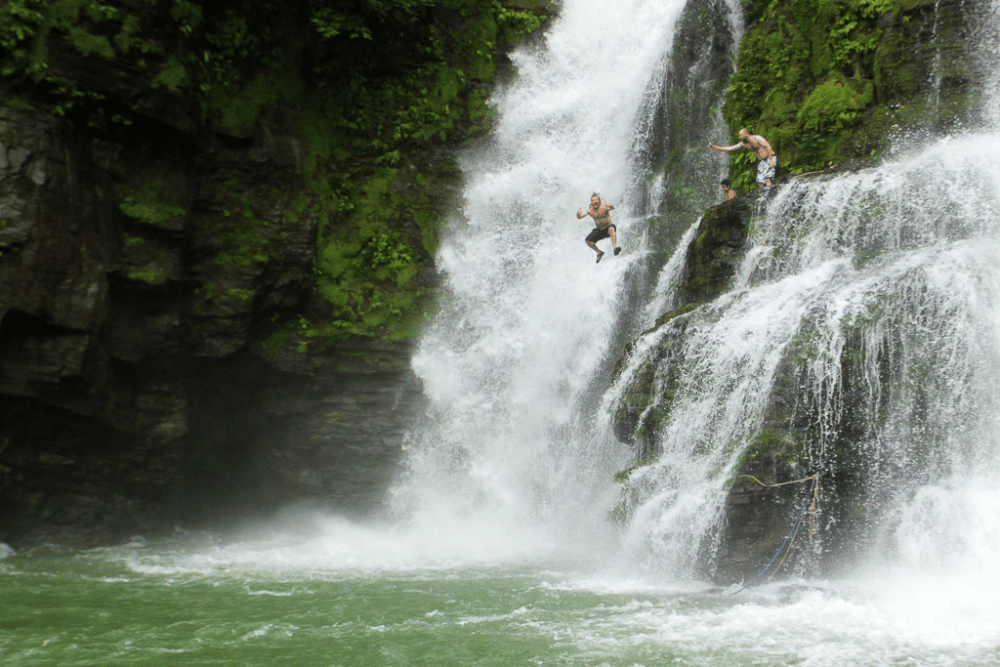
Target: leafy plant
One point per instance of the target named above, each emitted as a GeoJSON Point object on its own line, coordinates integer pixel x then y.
{"type": "Point", "coordinates": [363, 110]}
{"type": "Point", "coordinates": [805, 74]}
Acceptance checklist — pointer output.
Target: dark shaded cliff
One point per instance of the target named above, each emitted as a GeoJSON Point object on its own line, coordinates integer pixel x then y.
{"type": "Point", "coordinates": [217, 227]}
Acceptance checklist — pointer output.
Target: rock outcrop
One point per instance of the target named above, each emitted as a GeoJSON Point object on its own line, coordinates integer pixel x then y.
{"type": "Point", "coordinates": [141, 384]}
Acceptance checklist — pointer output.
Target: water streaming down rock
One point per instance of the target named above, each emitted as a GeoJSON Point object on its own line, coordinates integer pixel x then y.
{"type": "Point", "coordinates": [862, 344]}
{"type": "Point", "coordinates": [516, 362]}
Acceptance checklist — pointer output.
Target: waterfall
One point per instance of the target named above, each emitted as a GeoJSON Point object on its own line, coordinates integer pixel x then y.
{"type": "Point", "coordinates": [989, 46]}
{"type": "Point", "coordinates": [515, 362]}
{"type": "Point", "coordinates": [863, 334]}
{"type": "Point", "coordinates": [888, 274]}
{"type": "Point", "coordinates": [866, 329]}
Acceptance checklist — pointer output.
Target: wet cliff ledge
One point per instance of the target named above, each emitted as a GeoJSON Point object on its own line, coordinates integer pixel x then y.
{"type": "Point", "coordinates": [217, 227]}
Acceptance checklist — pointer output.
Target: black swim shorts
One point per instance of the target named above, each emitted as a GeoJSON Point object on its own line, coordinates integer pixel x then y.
{"type": "Point", "coordinates": [600, 233]}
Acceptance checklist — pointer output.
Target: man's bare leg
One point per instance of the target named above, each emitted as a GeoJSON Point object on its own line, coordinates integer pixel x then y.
{"type": "Point", "coordinates": [614, 239]}
{"type": "Point", "coordinates": [596, 249]}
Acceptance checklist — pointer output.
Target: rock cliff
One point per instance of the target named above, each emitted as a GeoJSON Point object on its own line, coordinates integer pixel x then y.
{"type": "Point", "coordinates": [211, 275]}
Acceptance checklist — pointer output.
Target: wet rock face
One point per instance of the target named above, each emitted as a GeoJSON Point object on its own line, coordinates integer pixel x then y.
{"type": "Point", "coordinates": [925, 81]}
{"type": "Point", "coordinates": [713, 257]}
{"type": "Point", "coordinates": [138, 281]}
{"type": "Point", "coordinates": [685, 111]}
{"type": "Point", "coordinates": [774, 478]}
{"type": "Point", "coordinates": [710, 264]}
{"type": "Point", "coordinates": [925, 72]}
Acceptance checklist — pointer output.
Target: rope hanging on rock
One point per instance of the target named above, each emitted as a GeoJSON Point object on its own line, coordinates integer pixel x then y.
{"type": "Point", "coordinates": [786, 545]}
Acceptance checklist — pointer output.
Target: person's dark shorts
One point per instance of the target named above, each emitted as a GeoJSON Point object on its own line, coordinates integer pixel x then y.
{"type": "Point", "coordinates": [600, 233]}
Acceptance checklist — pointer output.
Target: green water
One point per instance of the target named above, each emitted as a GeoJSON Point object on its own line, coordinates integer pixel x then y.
{"type": "Point", "coordinates": [89, 610]}
{"type": "Point", "coordinates": [143, 605]}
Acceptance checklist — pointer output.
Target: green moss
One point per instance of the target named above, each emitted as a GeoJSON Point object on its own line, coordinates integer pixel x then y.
{"type": "Point", "coordinates": [240, 106]}
{"type": "Point", "coordinates": [622, 476]}
{"type": "Point", "coordinates": [805, 72]}
{"type": "Point", "coordinates": [206, 291]}
{"type": "Point", "coordinates": [365, 267]}
{"type": "Point", "coordinates": [173, 75]}
{"type": "Point", "coordinates": [245, 236]}
{"type": "Point", "coordinates": [277, 339]}
{"type": "Point", "coordinates": [147, 275]}
{"type": "Point", "coordinates": [89, 44]}
{"type": "Point", "coordinates": [239, 294]}
{"type": "Point", "coordinates": [863, 258]}
{"type": "Point", "coordinates": [772, 445]}
{"type": "Point", "coordinates": [146, 205]}
{"type": "Point", "coordinates": [805, 345]}
{"type": "Point", "coordinates": [134, 241]}
{"type": "Point", "coordinates": [362, 111]}
{"type": "Point", "coordinates": [514, 24]}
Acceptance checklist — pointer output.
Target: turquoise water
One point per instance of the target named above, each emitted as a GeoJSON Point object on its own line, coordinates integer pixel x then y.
{"type": "Point", "coordinates": [208, 603]}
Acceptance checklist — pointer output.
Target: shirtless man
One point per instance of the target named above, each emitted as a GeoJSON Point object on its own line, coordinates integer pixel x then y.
{"type": "Point", "coordinates": [727, 189]}
{"type": "Point", "coordinates": [768, 164]}
{"type": "Point", "coordinates": [605, 228]}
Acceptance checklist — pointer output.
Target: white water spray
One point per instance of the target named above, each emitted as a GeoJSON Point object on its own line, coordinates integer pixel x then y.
{"type": "Point", "coordinates": [897, 266]}
{"type": "Point", "coordinates": [528, 317]}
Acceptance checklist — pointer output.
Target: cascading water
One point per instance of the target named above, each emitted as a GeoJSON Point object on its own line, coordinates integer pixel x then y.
{"type": "Point", "coordinates": [888, 275]}
{"type": "Point", "coordinates": [874, 295]}
{"type": "Point", "coordinates": [528, 319]}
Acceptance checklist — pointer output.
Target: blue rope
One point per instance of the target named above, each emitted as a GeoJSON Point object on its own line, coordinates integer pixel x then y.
{"type": "Point", "coordinates": [784, 544]}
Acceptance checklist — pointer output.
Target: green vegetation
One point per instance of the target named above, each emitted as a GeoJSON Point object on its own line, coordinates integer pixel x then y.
{"type": "Point", "coordinates": [771, 445]}
{"type": "Point", "coordinates": [149, 206]}
{"type": "Point", "coordinates": [806, 72]}
{"type": "Point", "coordinates": [134, 241]}
{"type": "Point", "coordinates": [805, 346]}
{"type": "Point", "coordinates": [239, 294]}
{"type": "Point", "coordinates": [622, 476]}
{"type": "Point", "coordinates": [366, 115]}
{"type": "Point", "coordinates": [243, 233]}
{"type": "Point", "coordinates": [683, 310]}
{"type": "Point", "coordinates": [148, 275]}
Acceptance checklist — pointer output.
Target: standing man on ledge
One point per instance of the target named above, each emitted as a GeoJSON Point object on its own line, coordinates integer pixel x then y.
{"type": "Point", "coordinates": [601, 213]}
{"type": "Point", "coordinates": [768, 165]}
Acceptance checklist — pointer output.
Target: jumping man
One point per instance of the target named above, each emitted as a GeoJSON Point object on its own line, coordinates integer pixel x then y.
{"type": "Point", "coordinates": [768, 165]}
{"type": "Point", "coordinates": [601, 213]}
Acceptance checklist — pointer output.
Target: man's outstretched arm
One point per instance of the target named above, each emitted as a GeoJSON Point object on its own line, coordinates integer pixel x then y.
{"type": "Point", "coordinates": [734, 147]}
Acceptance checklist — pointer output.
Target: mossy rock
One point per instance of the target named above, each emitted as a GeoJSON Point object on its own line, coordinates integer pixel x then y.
{"type": "Point", "coordinates": [717, 250]}
{"type": "Point", "coordinates": [827, 82]}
